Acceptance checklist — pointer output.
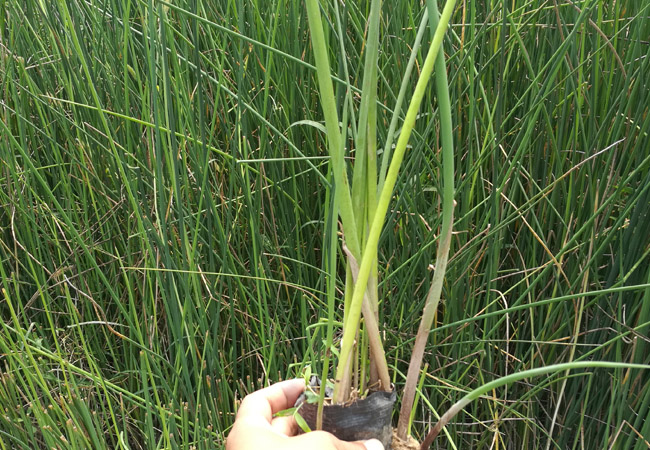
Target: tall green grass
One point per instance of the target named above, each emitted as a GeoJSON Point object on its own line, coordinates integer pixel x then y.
{"type": "Point", "coordinates": [163, 246]}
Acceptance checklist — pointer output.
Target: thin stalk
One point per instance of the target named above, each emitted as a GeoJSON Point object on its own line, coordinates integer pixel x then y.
{"type": "Point", "coordinates": [330, 261]}
{"type": "Point", "coordinates": [385, 156]}
{"type": "Point", "coordinates": [336, 148]}
{"type": "Point", "coordinates": [374, 338]}
{"type": "Point", "coordinates": [387, 192]}
{"type": "Point", "coordinates": [335, 143]}
{"type": "Point", "coordinates": [342, 189]}
{"type": "Point", "coordinates": [362, 171]}
{"type": "Point", "coordinates": [482, 390]}
{"type": "Point", "coordinates": [433, 297]}
{"type": "Point", "coordinates": [364, 181]}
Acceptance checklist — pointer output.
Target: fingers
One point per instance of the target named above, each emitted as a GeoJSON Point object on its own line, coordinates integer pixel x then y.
{"type": "Point", "coordinates": [266, 402]}
{"type": "Point", "coordinates": [324, 440]}
{"type": "Point", "coordinates": [373, 444]}
{"type": "Point", "coordinates": [285, 426]}
{"type": "Point", "coordinates": [247, 436]}
{"type": "Point", "coordinates": [256, 427]}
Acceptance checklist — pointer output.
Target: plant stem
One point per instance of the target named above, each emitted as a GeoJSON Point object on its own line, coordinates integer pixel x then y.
{"type": "Point", "coordinates": [330, 238]}
{"type": "Point", "coordinates": [433, 297]}
{"type": "Point", "coordinates": [400, 99]}
{"type": "Point", "coordinates": [364, 185]}
{"type": "Point", "coordinates": [387, 191]}
{"type": "Point", "coordinates": [336, 147]}
{"type": "Point", "coordinates": [342, 189]}
{"type": "Point", "coordinates": [476, 393]}
{"type": "Point", "coordinates": [374, 338]}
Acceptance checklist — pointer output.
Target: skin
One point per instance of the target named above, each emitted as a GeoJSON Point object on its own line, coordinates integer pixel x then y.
{"type": "Point", "coordinates": [256, 428]}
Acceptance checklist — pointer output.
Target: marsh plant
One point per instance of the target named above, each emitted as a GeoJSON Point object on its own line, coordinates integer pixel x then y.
{"type": "Point", "coordinates": [363, 203]}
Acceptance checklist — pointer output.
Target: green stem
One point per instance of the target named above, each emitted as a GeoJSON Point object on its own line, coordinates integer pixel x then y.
{"type": "Point", "coordinates": [342, 189]}
{"type": "Point", "coordinates": [336, 148]}
{"type": "Point", "coordinates": [385, 157]}
{"type": "Point", "coordinates": [482, 390]}
{"type": "Point", "coordinates": [374, 338]}
{"type": "Point", "coordinates": [331, 240]}
{"type": "Point", "coordinates": [387, 191]}
{"type": "Point", "coordinates": [433, 297]}
{"type": "Point", "coordinates": [364, 192]}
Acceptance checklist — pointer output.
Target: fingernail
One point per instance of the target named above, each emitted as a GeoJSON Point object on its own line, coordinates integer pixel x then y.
{"type": "Point", "coordinates": [373, 444]}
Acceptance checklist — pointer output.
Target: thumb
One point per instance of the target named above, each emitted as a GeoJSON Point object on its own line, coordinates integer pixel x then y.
{"type": "Point", "coordinates": [373, 444]}
{"type": "Point", "coordinates": [325, 440]}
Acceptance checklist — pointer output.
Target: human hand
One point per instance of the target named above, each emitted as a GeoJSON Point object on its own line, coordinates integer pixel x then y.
{"type": "Point", "coordinates": [256, 428]}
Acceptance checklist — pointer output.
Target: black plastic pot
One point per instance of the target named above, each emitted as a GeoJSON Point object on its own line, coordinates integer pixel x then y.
{"type": "Point", "coordinates": [364, 419]}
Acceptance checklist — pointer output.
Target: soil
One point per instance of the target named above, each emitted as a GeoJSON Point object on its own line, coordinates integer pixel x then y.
{"type": "Point", "coordinates": [409, 444]}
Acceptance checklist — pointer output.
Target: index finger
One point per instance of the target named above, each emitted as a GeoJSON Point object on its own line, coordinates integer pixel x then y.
{"type": "Point", "coordinates": [272, 399]}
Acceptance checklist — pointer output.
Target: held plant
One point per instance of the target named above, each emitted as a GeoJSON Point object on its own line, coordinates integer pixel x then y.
{"type": "Point", "coordinates": [363, 205]}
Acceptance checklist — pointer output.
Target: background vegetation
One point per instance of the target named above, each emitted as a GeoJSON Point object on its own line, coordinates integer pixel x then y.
{"type": "Point", "coordinates": [162, 221]}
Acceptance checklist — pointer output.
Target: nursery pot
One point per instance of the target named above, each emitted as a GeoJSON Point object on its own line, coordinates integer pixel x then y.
{"type": "Point", "coordinates": [363, 419]}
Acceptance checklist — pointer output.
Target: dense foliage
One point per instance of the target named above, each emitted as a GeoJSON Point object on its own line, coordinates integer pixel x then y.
{"type": "Point", "coordinates": [161, 217]}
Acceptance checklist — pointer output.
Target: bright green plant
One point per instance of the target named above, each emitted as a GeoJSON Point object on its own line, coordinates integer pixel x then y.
{"type": "Point", "coordinates": [363, 206]}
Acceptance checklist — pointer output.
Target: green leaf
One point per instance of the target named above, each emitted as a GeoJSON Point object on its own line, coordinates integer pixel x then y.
{"type": "Point", "coordinates": [311, 397]}
{"type": "Point", "coordinates": [285, 412]}
{"type": "Point", "coordinates": [312, 123]}
{"type": "Point", "coordinates": [301, 422]}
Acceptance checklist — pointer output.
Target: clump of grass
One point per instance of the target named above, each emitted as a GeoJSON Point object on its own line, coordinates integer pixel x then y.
{"type": "Point", "coordinates": [163, 247]}
{"type": "Point", "coordinates": [363, 207]}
